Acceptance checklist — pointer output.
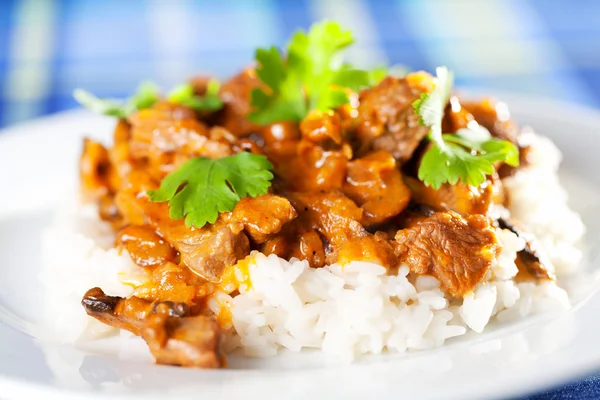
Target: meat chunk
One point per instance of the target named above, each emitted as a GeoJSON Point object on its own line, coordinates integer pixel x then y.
{"type": "Point", "coordinates": [386, 119]}
{"type": "Point", "coordinates": [175, 283]}
{"type": "Point", "coordinates": [457, 250]}
{"type": "Point", "coordinates": [494, 116]}
{"type": "Point", "coordinates": [94, 166]}
{"type": "Point", "coordinates": [460, 197]}
{"type": "Point", "coordinates": [298, 240]}
{"type": "Point", "coordinates": [332, 214]}
{"type": "Point", "coordinates": [126, 313]}
{"type": "Point", "coordinates": [321, 127]}
{"type": "Point", "coordinates": [236, 95]}
{"type": "Point", "coordinates": [174, 338]}
{"type": "Point", "coordinates": [186, 342]}
{"type": "Point", "coordinates": [375, 183]}
{"type": "Point", "coordinates": [130, 199]}
{"type": "Point", "coordinates": [263, 216]}
{"type": "Point", "coordinates": [531, 262]}
{"type": "Point", "coordinates": [456, 117]}
{"type": "Point", "coordinates": [375, 248]}
{"type": "Point", "coordinates": [207, 251]}
{"type": "Point", "coordinates": [306, 166]}
{"type": "Point", "coordinates": [145, 247]}
{"type": "Point", "coordinates": [412, 215]}
{"type": "Point", "coordinates": [325, 222]}
{"type": "Point", "coordinates": [166, 135]}
{"type": "Point", "coordinates": [118, 154]}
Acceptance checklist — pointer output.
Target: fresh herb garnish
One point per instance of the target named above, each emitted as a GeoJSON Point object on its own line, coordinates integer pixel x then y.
{"type": "Point", "coordinates": [145, 96]}
{"type": "Point", "coordinates": [202, 188]}
{"type": "Point", "coordinates": [377, 74]}
{"type": "Point", "coordinates": [468, 155]}
{"type": "Point", "coordinates": [184, 95]}
{"type": "Point", "coordinates": [311, 77]}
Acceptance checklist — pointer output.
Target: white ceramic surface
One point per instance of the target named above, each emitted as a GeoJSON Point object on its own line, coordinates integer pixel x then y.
{"type": "Point", "coordinates": [38, 165]}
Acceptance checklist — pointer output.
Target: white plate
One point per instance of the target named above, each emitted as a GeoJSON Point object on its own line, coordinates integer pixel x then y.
{"type": "Point", "coordinates": [38, 164]}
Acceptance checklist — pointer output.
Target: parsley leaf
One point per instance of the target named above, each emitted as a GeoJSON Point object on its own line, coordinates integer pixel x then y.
{"type": "Point", "coordinates": [210, 101]}
{"type": "Point", "coordinates": [146, 95]}
{"type": "Point", "coordinates": [468, 155]}
{"type": "Point", "coordinates": [312, 77]}
{"type": "Point", "coordinates": [202, 187]}
{"type": "Point", "coordinates": [379, 73]}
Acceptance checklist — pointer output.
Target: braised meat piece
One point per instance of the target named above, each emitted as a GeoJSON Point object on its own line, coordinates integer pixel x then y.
{"type": "Point", "coordinates": [375, 248]}
{"type": "Point", "coordinates": [176, 283]}
{"type": "Point", "coordinates": [332, 214]}
{"type": "Point", "coordinates": [118, 154]}
{"type": "Point", "coordinates": [262, 216]}
{"type": "Point", "coordinates": [126, 313]}
{"type": "Point", "coordinates": [456, 117]}
{"type": "Point", "coordinates": [298, 239]}
{"type": "Point", "coordinates": [460, 197]}
{"type": "Point", "coordinates": [207, 251]}
{"type": "Point", "coordinates": [375, 183]}
{"type": "Point", "coordinates": [145, 246]}
{"type": "Point", "coordinates": [412, 215]}
{"type": "Point", "coordinates": [321, 127]}
{"type": "Point", "coordinates": [457, 250]}
{"type": "Point", "coordinates": [94, 166]}
{"type": "Point", "coordinates": [494, 116]}
{"type": "Point", "coordinates": [386, 119]}
{"type": "Point", "coordinates": [186, 342]}
{"type": "Point", "coordinates": [131, 197]}
{"type": "Point", "coordinates": [531, 263]}
{"type": "Point", "coordinates": [236, 96]}
{"type": "Point", "coordinates": [166, 135]}
{"type": "Point", "coordinates": [174, 337]}
{"type": "Point", "coordinates": [325, 222]}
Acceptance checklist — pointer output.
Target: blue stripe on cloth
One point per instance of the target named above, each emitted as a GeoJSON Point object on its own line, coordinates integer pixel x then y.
{"type": "Point", "coordinates": [232, 30]}
{"type": "Point", "coordinates": [6, 13]}
{"type": "Point", "coordinates": [575, 27]}
{"type": "Point", "coordinates": [52, 103]}
{"type": "Point", "coordinates": [292, 15]}
{"type": "Point", "coordinates": [396, 40]}
{"type": "Point", "coordinates": [97, 30]}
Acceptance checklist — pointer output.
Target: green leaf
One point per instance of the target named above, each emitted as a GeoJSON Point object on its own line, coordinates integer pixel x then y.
{"type": "Point", "coordinates": [202, 188]}
{"type": "Point", "coordinates": [101, 106]}
{"type": "Point", "coordinates": [377, 74]}
{"type": "Point", "coordinates": [311, 77]}
{"type": "Point", "coordinates": [467, 156]}
{"type": "Point", "coordinates": [353, 79]}
{"type": "Point", "coordinates": [285, 102]}
{"type": "Point", "coordinates": [184, 95]}
{"type": "Point", "coordinates": [430, 106]}
{"type": "Point", "coordinates": [145, 96]}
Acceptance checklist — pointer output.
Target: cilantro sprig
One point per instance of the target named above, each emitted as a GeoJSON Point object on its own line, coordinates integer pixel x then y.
{"type": "Point", "coordinates": [468, 155]}
{"type": "Point", "coordinates": [311, 77]}
{"type": "Point", "coordinates": [184, 95]}
{"type": "Point", "coordinates": [145, 96]}
{"type": "Point", "coordinates": [202, 188]}
{"type": "Point", "coordinates": [379, 73]}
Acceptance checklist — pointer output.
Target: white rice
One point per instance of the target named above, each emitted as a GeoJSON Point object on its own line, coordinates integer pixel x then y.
{"type": "Point", "coordinates": [539, 201]}
{"type": "Point", "coordinates": [78, 255]}
{"type": "Point", "coordinates": [346, 310]}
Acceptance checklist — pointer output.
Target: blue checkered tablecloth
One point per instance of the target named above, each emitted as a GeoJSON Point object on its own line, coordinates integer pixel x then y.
{"type": "Point", "coordinates": [49, 47]}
